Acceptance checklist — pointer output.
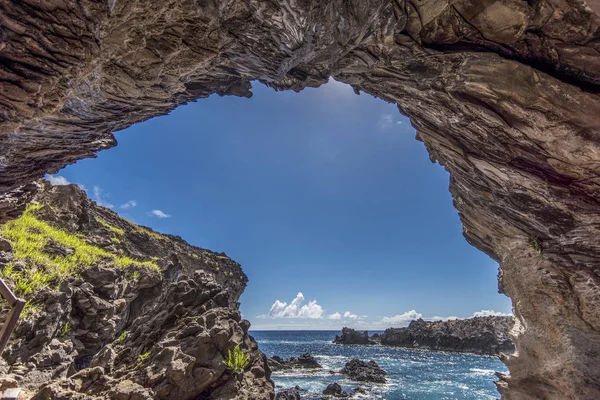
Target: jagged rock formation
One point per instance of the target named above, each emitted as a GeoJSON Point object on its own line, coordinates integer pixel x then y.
{"type": "Point", "coordinates": [289, 394]}
{"type": "Point", "coordinates": [350, 336]}
{"type": "Point", "coordinates": [125, 312]}
{"type": "Point", "coordinates": [481, 335]}
{"type": "Point", "coordinates": [305, 361]}
{"type": "Point", "coordinates": [361, 371]}
{"type": "Point", "coordinates": [335, 390]}
{"type": "Point", "coordinates": [504, 94]}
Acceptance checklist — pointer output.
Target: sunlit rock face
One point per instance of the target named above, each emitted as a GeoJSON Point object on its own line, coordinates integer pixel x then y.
{"type": "Point", "coordinates": [504, 94]}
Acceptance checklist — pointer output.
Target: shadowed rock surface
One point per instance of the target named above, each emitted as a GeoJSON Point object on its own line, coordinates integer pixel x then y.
{"type": "Point", "coordinates": [151, 317]}
{"type": "Point", "coordinates": [481, 335]}
{"type": "Point", "coordinates": [289, 394]}
{"type": "Point", "coordinates": [305, 361]}
{"type": "Point", "coordinates": [350, 336]}
{"type": "Point", "coordinates": [361, 371]}
{"type": "Point", "coordinates": [504, 94]}
{"type": "Point", "coordinates": [335, 390]}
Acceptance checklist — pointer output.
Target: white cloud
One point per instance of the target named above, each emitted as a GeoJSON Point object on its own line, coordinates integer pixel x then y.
{"type": "Point", "coordinates": [129, 204]}
{"type": "Point", "coordinates": [489, 313]}
{"type": "Point", "coordinates": [400, 320]}
{"type": "Point", "coordinates": [99, 199]}
{"type": "Point", "coordinates": [349, 315]}
{"type": "Point", "coordinates": [336, 315]}
{"type": "Point", "coordinates": [159, 214]}
{"type": "Point", "coordinates": [386, 121]}
{"type": "Point", "coordinates": [293, 310]}
{"type": "Point", "coordinates": [57, 180]}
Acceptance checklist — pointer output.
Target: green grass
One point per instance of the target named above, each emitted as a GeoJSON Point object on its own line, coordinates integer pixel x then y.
{"type": "Point", "coordinates": [64, 330]}
{"type": "Point", "coordinates": [236, 360]}
{"type": "Point", "coordinates": [121, 337]}
{"type": "Point", "coordinates": [28, 236]}
{"type": "Point", "coordinates": [110, 227]}
{"type": "Point", "coordinates": [147, 231]}
{"type": "Point", "coordinates": [142, 357]}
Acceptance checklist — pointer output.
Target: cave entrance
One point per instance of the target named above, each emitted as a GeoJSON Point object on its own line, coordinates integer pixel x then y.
{"type": "Point", "coordinates": [325, 197]}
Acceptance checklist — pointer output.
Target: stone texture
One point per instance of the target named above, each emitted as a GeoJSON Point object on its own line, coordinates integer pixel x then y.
{"type": "Point", "coordinates": [504, 94]}
{"type": "Point", "coordinates": [305, 361]}
{"type": "Point", "coordinates": [133, 332]}
{"type": "Point", "coordinates": [350, 336]}
{"type": "Point", "coordinates": [481, 335]}
{"type": "Point", "coordinates": [361, 371]}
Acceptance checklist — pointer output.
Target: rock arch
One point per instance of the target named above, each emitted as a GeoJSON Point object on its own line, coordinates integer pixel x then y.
{"type": "Point", "coordinates": [504, 94]}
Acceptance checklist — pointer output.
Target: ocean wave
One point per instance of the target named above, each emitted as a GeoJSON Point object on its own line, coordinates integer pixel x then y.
{"type": "Point", "coordinates": [481, 372]}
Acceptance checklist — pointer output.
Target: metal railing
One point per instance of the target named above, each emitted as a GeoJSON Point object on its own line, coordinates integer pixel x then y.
{"type": "Point", "coordinates": [16, 306]}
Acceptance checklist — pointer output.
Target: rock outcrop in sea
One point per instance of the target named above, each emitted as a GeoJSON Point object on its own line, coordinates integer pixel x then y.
{"type": "Point", "coordinates": [351, 336]}
{"type": "Point", "coordinates": [479, 335]}
{"type": "Point", "coordinates": [361, 371]}
{"type": "Point", "coordinates": [116, 310]}
{"type": "Point", "coordinates": [505, 94]}
{"type": "Point", "coordinates": [305, 361]}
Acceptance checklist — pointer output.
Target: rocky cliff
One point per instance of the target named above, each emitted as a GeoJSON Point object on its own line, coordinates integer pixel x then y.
{"type": "Point", "coordinates": [481, 335]}
{"type": "Point", "coordinates": [504, 94]}
{"type": "Point", "coordinates": [116, 310]}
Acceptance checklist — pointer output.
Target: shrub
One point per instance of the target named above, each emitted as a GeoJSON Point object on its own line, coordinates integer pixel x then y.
{"type": "Point", "coordinates": [535, 245]}
{"type": "Point", "coordinates": [236, 360]}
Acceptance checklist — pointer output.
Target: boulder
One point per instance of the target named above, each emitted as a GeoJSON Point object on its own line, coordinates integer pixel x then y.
{"type": "Point", "coordinates": [350, 336]}
{"type": "Point", "coordinates": [289, 394]}
{"type": "Point", "coordinates": [305, 361]}
{"type": "Point", "coordinates": [361, 371]}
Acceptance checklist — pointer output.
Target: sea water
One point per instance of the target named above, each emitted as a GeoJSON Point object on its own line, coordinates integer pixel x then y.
{"type": "Point", "coordinates": [412, 374]}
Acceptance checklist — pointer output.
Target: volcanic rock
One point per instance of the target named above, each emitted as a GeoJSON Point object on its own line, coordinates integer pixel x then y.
{"type": "Point", "coordinates": [305, 361]}
{"type": "Point", "coordinates": [350, 336]}
{"type": "Point", "coordinates": [141, 316]}
{"type": "Point", "coordinates": [288, 394]}
{"type": "Point", "coordinates": [479, 335]}
{"type": "Point", "coordinates": [503, 93]}
{"type": "Point", "coordinates": [358, 370]}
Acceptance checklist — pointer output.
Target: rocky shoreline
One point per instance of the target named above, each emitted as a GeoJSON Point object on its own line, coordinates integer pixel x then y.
{"type": "Point", "coordinates": [480, 335]}
{"type": "Point", "coordinates": [116, 310]}
{"type": "Point", "coordinates": [355, 370]}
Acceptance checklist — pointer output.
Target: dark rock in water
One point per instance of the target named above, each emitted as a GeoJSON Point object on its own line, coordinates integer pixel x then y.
{"type": "Point", "coordinates": [141, 315]}
{"type": "Point", "coordinates": [481, 335]}
{"type": "Point", "coordinates": [359, 390]}
{"type": "Point", "coordinates": [350, 336]}
{"type": "Point", "coordinates": [361, 371]}
{"type": "Point", "coordinates": [334, 389]}
{"type": "Point", "coordinates": [289, 394]}
{"type": "Point", "coordinates": [305, 361]}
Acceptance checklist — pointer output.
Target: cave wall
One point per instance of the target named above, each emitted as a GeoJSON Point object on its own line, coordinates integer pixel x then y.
{"type": "Point", "coordinates": [504, 94]}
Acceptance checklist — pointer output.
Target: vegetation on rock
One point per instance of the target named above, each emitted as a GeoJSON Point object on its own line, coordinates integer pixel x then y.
{"type": "Point", "coordinates": [237, 360]}
{"type": "Point", "coordinates": [35, 242]}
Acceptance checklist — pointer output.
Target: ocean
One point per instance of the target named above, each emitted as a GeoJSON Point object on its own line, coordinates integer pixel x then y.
{"type": "Point", "coordinates": [413, 374]}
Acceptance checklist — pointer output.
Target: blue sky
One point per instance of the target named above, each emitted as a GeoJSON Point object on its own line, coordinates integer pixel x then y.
{"type": "Point", "coordinates": [326, 199]}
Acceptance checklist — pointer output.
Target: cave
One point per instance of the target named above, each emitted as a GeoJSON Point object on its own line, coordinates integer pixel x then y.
{"type": "Point", "coordinates": [504, 94]}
